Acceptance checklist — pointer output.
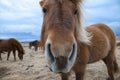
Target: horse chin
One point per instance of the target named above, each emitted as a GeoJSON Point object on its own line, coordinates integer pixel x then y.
{"type": "Point", "coordinates": [53, 67]}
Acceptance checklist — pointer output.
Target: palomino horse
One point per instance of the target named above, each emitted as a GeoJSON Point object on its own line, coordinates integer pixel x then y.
{"type": "Point", "coordinates": [11, 45]}
{"type": "Point", "coordinates": [35, 44]}
{"type": "Point", "coordinates": [68, 46]}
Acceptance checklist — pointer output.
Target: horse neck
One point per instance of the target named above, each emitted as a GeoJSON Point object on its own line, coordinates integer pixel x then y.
{"type": "Point", "coordinates": [19, 47]}
{"type": "Point", "coordinates": [83, 49]}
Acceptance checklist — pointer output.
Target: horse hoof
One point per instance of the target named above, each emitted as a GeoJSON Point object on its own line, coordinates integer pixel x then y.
{"type": "Point", "coordinates": [108, 78]}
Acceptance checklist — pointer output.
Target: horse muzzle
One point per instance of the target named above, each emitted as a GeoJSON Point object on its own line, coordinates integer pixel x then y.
{"type": "Point", "coordinates": [60, 63]}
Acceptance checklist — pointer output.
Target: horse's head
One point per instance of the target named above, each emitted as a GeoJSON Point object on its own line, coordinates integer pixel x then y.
{"type": "Point", "coordinates": [58, 33]}
{"type": "Point", "coordinates": [20, 55]}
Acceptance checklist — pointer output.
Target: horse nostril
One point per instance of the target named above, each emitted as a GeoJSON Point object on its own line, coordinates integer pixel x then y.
{"type": "Point", "coordinates": [49, 52]}
{"type": "Point", "coordinates": [73, 54]}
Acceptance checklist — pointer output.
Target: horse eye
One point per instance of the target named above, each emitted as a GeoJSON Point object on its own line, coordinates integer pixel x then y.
{"type": "Point", "coordinates": [44, 10]}
{"type": "Point", "coordinates": [75, 12]}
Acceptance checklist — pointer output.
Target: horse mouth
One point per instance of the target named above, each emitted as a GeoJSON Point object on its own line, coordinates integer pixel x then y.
{"type": "Point", "coordinates": [60, 64]}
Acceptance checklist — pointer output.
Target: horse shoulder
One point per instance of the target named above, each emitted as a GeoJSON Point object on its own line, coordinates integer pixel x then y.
{"type": "Point", "coordinates": [100, 44]}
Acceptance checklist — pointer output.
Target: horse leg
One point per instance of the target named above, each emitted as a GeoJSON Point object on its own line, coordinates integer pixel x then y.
{"type": "Point", "coordinates": [80, 72]}
{"type": "Point", "coordinates": [35, 48]}
{"type": "Point", "coordinates": [14, 55]}
{"type": "Point", "coordinates": [111, 64]}
{"type": "Point", "coordinates": [8, 55]}
{"type": "Point", "coordinates": [0, 57]}
{"type": "Point", "coordinates": [116, 69]}
{"type": "Point", "coordinates": [64, 76]}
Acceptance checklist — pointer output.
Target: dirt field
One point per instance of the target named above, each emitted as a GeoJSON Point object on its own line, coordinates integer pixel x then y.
{"type": "Point", "coordinates": [33, 67]}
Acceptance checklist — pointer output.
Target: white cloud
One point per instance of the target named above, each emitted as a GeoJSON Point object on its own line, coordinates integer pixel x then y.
{"type": "Point", "coordinates": [5, 36]}
{"type": "Point", "coordinates": [108, 12]}
{"type": "Point", "coordinates": [114, 24]}
{"type": "Point", "coordinates": [109, 9]}
{"type": "Point", "coordinates": [15, 16]}
{"type": "Point", "coordinates": [13, 13]}
{"type": "Point", "coordinates": [103, 11]}
{"type": "Point", "coordinates": [98, 3]}
{"type": "Point", "coordinates": [25, 16]}
{"type": "Point", "coordinates": [21, 4]}
{"type": "Point", "coordinates": [5, 2]}
{"type": "Point", "coordinates": [17, 9]}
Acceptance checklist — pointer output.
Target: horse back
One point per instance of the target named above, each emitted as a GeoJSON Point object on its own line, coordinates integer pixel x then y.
{"type": "Point", "coordinates": [103, 41]}
{"type": "Point", "coordinates": [5, 45]}
{"type": "Point", "coordinates": [33, 43]}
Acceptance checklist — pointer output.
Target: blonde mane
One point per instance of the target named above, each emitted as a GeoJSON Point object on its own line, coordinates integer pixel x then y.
{"type": "Point", "coordinates": [82, 35]}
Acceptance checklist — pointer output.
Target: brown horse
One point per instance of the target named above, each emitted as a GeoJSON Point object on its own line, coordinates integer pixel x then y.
{"type": "Point", "coordinates": [40, 45]}
{"type": "Point", "coordinates": [34, 44]}
{"type": "Point", "coordinates": [118, 44]}
{"type": "Point", "coordinates": [68, 46]}
{"type": "Point", "coordinates": [11, 45]}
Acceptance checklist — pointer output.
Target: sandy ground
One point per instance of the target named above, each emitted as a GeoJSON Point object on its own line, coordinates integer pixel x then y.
{"type": "Point", "coordinates": [33, 67]}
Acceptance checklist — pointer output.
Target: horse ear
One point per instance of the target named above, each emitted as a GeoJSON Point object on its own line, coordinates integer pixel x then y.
{"type": "Point", "coordinates": [41, 2]}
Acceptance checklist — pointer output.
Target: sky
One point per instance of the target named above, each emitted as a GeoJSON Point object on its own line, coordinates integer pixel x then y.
{"type": "Point", "coordinates": [22, 19]}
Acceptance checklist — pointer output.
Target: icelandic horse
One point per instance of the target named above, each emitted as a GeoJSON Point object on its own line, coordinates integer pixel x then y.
{"type": "Point", "coordinates": [34, 44]}
{"type": "Point", "coordinates": [68, 46]}
{"type": "Point", "coordinates": [11, 44]}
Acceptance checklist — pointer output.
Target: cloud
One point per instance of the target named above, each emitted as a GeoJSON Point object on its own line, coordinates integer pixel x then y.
{"type": "Point", "coordinates": [103, 11]}
{"type": "Point", "coordinates": [21, 5]}
{"type": "Point", "coordinates": [99, 3]}
{"type": "Point", "coordinates": [14, 9]}
{"type": "Point", "coordinates": [24, 17]}
{"type": "Point", "coordinates": [15, 16]}
{"type": "Point", "coordinates": [21, 19]}
{"type": "Point", "coordinates": [115, 26]}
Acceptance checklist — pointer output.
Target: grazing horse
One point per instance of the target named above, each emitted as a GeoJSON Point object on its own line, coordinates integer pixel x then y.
{"type": "Point", "coordinates": [40, 45]}
{"type": "Point", "coordinates": [69, 46]}
{"type": "Point", "coordinates": [35, 44]}
{"type": "Point", "coordinates": [9, 45]}
{"type": "Point", "coordinates": [118, 44]}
